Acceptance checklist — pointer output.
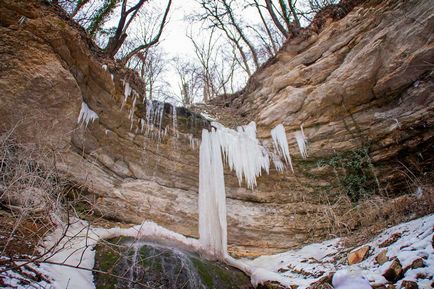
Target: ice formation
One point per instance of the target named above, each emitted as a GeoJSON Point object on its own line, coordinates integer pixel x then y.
{"type": "Point", "coordinates": [301, 142]}
{"type": "Point", "coordinates": [278, 164]}
{"type": "Point", "coordinates": [174, 121]}
{"type": "Point", "coordinates": [212, 196]}
{"type": "Point", "coordinates": [74, 244]}
{"type": "Point", "coordinates": [281, 144]}
{"type": "Point", "coordinates": [194, 143]}
{"type": "Point", "coordinates": [127, 92]}
{"type": "Point", "coordinates": [149, 114]}
{"type": "Point", "coordinates": [86, 115]}
{"type": "Point", "coordinates": [154, 117]}
{"type": "Point", "coordinates": [242, 152]}
{"type": "Point", "coordinates": [131, 113]}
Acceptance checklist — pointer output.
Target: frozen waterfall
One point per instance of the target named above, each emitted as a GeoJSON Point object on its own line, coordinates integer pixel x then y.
{"type": "Point", "coordinates": [243, 153]}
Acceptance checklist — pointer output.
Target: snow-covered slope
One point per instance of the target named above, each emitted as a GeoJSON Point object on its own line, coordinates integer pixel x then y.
{"type": "Point", "coordinates": [409, 243]}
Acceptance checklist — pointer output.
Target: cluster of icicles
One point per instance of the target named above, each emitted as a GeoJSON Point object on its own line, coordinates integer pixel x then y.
{"type": "Point", "coordinates": [244, 154]}
{"type": "Point", "coordinates": [238, 148]}
{"type": "Point", "coordinates": [150, 125]}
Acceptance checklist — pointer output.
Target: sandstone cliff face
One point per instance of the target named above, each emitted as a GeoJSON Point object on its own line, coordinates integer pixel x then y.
{"type": "Point", "coordinates": [362, 88]}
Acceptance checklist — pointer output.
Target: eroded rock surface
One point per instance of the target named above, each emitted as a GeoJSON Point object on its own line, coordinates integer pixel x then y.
{"type": "Point", "coordinates": [362, 88]}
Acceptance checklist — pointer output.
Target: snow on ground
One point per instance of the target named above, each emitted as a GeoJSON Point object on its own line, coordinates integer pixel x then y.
{"type": "Point", "coordinates": [307, 265]}
{"type": "Point", "coordinates": [74, 256]}
{"type": "Point", "coordinates": [27, 274]}
{"type": "Point", "coordinates": [296, 267]}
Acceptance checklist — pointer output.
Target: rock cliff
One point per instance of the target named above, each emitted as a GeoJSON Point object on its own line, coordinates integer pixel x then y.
{"type": "Point", "coordinates": [361, 86]}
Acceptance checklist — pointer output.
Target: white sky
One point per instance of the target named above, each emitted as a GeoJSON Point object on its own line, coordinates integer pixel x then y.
{"type": "Point", "coordinates": [175, 41]}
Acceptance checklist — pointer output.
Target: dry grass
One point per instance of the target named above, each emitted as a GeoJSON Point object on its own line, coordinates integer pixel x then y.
{"type": "Point", "coordinates": [359, 223]}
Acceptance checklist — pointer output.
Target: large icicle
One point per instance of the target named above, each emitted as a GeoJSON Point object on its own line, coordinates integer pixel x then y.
{"type": "Point", "coordinates": [212, 196]}
{"type": "Point", "coordinates": [281, 143]}
{"type": "Point", "coordinates": [242, 152]}
{"type": "Point", "coordinates": [86, 115]}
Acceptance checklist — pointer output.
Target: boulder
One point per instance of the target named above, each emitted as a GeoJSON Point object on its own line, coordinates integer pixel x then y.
{"type": "Point", "coordinates": [358, 255]}
{"type": "Point", "coordinates": [394, 272]}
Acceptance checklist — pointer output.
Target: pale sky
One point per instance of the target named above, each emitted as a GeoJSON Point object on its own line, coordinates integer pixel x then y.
{"type": "Point", "coordinates": [174, 41]}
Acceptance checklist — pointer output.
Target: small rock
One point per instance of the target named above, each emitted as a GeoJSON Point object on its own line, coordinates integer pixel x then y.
{"type": "Point", "coordinates": [381, 258]}
{"type": "Point", "coordinates": [358, 255]}
{"type": "Point", "coordinates": [394, 272]}
{"type": "Point", "coordinates": [418, 263]}
{"type": "Point", "coordinates": [382, 286]}
{"type": "Point", "coordinates": [409, 285]}
{"type": "Point", "coordinates": [323, 283]}
{"type": "Point", "coordinates": [392, 239]}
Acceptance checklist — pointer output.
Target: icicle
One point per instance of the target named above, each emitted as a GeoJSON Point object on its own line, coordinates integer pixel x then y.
{"type": "Point", "coordinates": [22, 20]}
{"type": "Point", "coordinates": [242, 152]}
{"type": "Point", "coordinates": [86, 115]}
{"type": "Point", "coordinates": [142, 124]}
{"type": "Point", "coordinates": [127, 92]}
{"type": "Point", "coordinates": [131, 114]}
{"type": "Point", "coordinates": [160, 116]}
{"type": "Point", "coordinates": [281, 143]}
{"type": "Point", "coordinates": [175, 121]}
{"type": "Point", "coordinates": [277, 162]}
{"type": "Point", "coordinates": [191, 140]}
{"type": "Point", "coordinates": [301, 142]}
{"type": "Point", "coordinates": [212, 196]}
{"type": "Point", "coordinates": [149, 115]}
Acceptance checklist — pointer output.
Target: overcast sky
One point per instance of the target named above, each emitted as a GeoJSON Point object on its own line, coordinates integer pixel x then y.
{"type": "Point", "coordinates": [174, 41]}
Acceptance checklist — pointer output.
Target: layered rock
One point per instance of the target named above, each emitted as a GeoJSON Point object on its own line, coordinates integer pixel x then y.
{"type": "Point", "coordinates": [362, 88]}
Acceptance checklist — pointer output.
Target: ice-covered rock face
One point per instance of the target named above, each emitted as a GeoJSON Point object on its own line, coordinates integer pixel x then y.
{"type": "Point", "coordinates": [347, 85]}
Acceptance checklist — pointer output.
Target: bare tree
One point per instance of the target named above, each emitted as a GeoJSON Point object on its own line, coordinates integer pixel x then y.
{"type": "Point", "coordinates": [220, 14]}
{"type": "Point", "coordinates": [190, 84]}
{"type": "Point", "coordinates": [95, 15]}
{"type": "Point", "coordinates": [148, 42]}
{"type": "Point", "coordinates": [284, 17]}
{"type": "Point", "coordinates": [266, 27]}
{"type": "Point", "coordinates": [126, 17]}
{"type": "Point", "coordinates": [205, 53]}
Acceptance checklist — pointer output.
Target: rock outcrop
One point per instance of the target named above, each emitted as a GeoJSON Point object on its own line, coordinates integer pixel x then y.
{"type": "Point", "coordinates": [362, 88]}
